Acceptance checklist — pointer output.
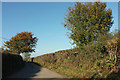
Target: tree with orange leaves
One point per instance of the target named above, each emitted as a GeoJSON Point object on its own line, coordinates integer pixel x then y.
{"type": "Point", "coordinates": [23, 42]}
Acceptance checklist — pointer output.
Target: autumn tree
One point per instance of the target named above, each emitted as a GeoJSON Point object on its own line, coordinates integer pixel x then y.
{"type": "Point", "coordinates": [23, 42]}
{"type": "Point", "coordinates": [86, 21]}
{"type": "Point", "coordinates": [5, 51]}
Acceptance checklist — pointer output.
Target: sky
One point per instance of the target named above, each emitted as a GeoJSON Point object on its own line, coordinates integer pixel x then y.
{"type": "Point", "coordinates": [45, 20]}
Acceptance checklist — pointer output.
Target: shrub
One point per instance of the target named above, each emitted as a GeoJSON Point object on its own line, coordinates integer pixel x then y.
{"type": "Point", "coordinates": [93, 59]}
{"type": "Point", "coordinates": [113, 51]}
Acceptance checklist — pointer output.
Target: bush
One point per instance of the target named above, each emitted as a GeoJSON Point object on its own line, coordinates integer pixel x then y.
{"type": "Point", "coordinates": [92, 60]}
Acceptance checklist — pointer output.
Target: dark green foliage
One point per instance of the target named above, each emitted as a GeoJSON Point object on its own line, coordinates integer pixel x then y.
{"type": "Point", "coordinates": [86, 21]}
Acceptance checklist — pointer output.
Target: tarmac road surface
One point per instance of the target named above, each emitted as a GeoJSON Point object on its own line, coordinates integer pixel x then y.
{"type": "Point", "coordinates": [32, 70]}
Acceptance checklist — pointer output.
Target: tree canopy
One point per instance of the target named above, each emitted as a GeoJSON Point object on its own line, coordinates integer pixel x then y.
{"type": "Point", "coordinates": [86, 21]}
{"type": "Point", "coordinates": [22, 43]}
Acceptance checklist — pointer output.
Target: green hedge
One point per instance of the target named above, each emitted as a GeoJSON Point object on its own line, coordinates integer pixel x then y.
{"type": "Point", "coordinates": [75, 63]}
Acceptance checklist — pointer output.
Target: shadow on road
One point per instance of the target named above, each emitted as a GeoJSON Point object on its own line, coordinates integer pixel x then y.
{"type": "Point", "coordinates": [35, 63]}
{"type": "Point", "coordinates": [29, 70]}
{"type": "Point", "coordinates": [34, 71]}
